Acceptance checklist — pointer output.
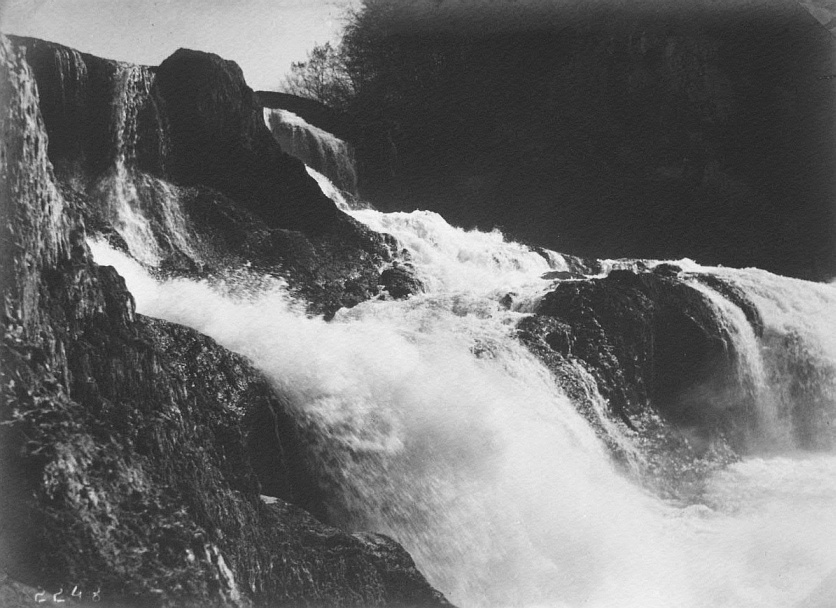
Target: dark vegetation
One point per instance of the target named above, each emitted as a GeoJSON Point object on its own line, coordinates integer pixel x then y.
{"type": "Point", "coordinates": [599, 129]}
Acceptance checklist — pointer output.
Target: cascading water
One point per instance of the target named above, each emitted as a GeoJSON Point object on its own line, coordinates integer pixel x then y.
{"type": "Point", "coordinates": [434, 425]}
{"type": "Point", "coordinates": [144, 210]}
{"type": "Point", "coordinates": [318, 149]}
{"type": "Point", "coordinates": [329, 189]}
{"type": "Point", "coordinates": [451, 259]}
{"type": "Point", "coordinates": [794, 364]}
{"type": "Point", "coordinates": [73, 76]}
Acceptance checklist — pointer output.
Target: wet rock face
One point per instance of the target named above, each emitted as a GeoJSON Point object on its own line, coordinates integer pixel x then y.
{"type": "Point", "coordinates": [400, 282]}
{"type": "Point", "coordinates": [142, 479]}
{"type": "Point", "coordinates": [33, 231]}
{"type": "Point", "coordinates": [77, 93]}
{"type": "Point", "coordinates": [650, 340]}
{"type": "Point", "coordinates": [130, 455]}
{"type": "Point", "coordinates": [66, 88]}
{"type": "Point", "coordinates": [665, 366]}
{"type": "Point", "coordinates": [330, 271]}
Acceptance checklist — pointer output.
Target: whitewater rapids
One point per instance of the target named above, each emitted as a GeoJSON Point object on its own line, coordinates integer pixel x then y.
{"type": "Point", "coordinates": [436, 427]}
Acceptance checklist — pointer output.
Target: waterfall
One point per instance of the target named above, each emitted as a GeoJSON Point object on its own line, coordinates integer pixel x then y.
{"type": "Point", "coordinates": [329, 189]}
{"type": "Point", "coordinates": [73, 77]}
{"type": "Point", "coordinates": [794, 364]}
{"type": "Point", "coordinates": [431, 423]}
{"type": "Point", "coordinates": [426, 418]}
{"type": "Point", "coordinates": [433, 426]}
{"type": "Point", "coordinates": [448, 258]}
{"type": "Point", "coordinates": [318, 149]}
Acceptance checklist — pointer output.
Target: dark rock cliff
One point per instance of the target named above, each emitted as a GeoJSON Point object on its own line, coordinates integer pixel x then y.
{"type": "Point", "coordinates": [218, 139]}
{"type": "Point", "coordinates": [133, 451]}
{"type": "Point", "coordinates": [76, 91]}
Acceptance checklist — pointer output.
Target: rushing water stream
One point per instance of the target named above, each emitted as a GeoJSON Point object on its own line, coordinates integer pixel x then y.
{"type": "Point", "coordinates": [429, 421]}
{"type": "Point", "coordinates": [433, 424]}
{"type": "Point", "coordinates": [436, 426]}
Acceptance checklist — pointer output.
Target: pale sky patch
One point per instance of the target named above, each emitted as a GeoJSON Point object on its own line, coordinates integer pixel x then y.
{"type": "Point", "coordinates": [262, 36]}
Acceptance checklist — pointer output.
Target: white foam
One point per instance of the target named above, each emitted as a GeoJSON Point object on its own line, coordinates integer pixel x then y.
{"type": "Point", "coordinates": [434, 425]}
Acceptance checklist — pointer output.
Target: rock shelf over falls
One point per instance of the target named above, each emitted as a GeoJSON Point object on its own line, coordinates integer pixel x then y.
{"type": "Point", "coordinates": [190, 324]}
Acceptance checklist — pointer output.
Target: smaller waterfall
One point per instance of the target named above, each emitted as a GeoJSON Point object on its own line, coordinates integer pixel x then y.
{"type": "Point", "coordinates": [770, 430]}
{"type": "Point", "coordinates": [318, 149]}
{"type": "Point", "coordinates": [143, 209]}
{"type": "Point", "coordinates": [450, 258]}
{"type": "Point", "coordinates": [72, 72]}
{"type": "Point", "coordinates": [787, 375]}
{"type": "Point", "coordinates": [447, 257]}
{"type": "Point", "coordinates": [329, 189]}
{"type": "Point", "coordinates": [797, 371]}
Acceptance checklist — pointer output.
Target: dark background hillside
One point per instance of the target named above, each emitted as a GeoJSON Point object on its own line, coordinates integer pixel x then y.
{"type": "Point", "coordinates": [606, 131]}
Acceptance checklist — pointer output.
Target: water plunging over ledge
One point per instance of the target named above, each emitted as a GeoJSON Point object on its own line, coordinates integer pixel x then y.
{"type": "Point", "coordinates": [433, 424]}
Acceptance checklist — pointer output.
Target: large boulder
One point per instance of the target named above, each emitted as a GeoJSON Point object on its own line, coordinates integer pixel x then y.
{"type": "Point", "coordinates": [662, 358]}
{"type": "Point", "coordinates": [219, 139]}
{"type": "Point", "coordinates": [648, 339]}
{"type": "Point", "coordinates": [400, 281]}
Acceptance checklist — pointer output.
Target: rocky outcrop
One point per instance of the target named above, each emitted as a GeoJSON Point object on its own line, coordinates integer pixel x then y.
{"type": "Point", "coordinates": [400, 282]}
{"type": "Point", "coordinates": [190, 136]}
{"type": "Point", "coordinates": [662, 358]}
{"type": "Point", "coordinates": [133, 451]}
{"type": "Point", "coordinates": [330, 271]}
{"type": "Point", "coordinates": [218, 139]}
